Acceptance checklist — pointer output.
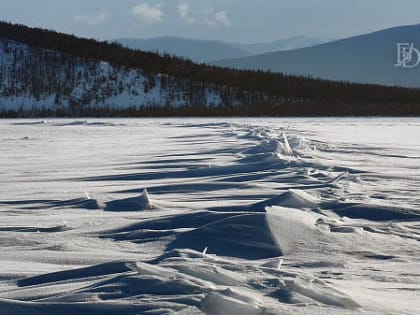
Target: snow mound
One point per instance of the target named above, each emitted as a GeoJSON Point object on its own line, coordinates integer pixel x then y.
{"type": "Point", "coordinates": [273, 147]}
{"type": "Point", "coordinates": [253, 236]}
{"type": "Point", "coordinates": [375, 212]}
{"type": "Point", "coordinates": [139, 203]}
{"type": "Point", "coordinates": [320, 292]}
{"type": "Point", "coordinates": [294, 198]}
{"type": "Point", "coordinates": [211, 273]}
{"type": "Point", "coordinates": [85, 202]}
{"type": "Point", "coordinates": [218, 304]}
{"type": "Point", "coordinates": [294, 230]}
{"type": "Point", "coordinates": [68, 275]}
{"type": "Point", "coordinates": [163, 226]}
{"type": "Point", "coordinates": [86, 123]}
{"type": "Point", "coordinates": [90, 202]}
{"type": "Point", "coordinates": [179, 284]}
{"type": "Point", "coordinates": [244, 236]}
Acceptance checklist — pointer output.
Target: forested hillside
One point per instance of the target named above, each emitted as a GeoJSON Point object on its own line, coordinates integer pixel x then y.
{"type": "Point", "coordinates": [45, 73]}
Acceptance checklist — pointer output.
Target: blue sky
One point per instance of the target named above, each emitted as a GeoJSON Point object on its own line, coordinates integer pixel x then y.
{"type": "Point", "coordinates": [228, 20]}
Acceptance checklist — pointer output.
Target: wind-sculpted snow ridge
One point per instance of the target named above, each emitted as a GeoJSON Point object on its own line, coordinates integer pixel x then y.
{"type": "Point", "coordinates": [49, 122]}
{"type": "Point", "coordinates": [139, 203]}
{"type": "Point", "coordinates": [206, 217]}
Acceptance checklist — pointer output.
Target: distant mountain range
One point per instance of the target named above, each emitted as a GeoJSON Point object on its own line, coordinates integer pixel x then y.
{"type": "Point", "coordinates": [211, 50]}
{"type": "Point", "coordinates": [290, 43]}
{"type": "Point", "coordinates": [370, 58]}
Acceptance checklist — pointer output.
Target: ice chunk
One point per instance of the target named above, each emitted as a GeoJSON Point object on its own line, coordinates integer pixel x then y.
{"type": "Point", "coordinates": [218, 304]}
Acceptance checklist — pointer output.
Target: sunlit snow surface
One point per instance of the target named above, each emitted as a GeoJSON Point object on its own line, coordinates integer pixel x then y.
{"type": "Point", "coordinates": [195, 216]}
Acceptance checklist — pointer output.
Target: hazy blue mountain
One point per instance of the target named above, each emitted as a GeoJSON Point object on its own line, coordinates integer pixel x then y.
{"type": "Point", "coordinates": [197, 50]}
{"type": "Point", "coordinates": [283, 44]}
{"type": "Point", "coordinates": [367, 58]}
{"type": "Point", "coordinates": [211, 50]}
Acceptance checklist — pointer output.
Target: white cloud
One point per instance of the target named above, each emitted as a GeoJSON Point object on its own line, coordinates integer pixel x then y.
{"type": "Point", "coordinates": [222, 18]}
{"type": "Point", "coordinates": [208, 16]}
{"type": "Point", "coordinates": [216, 18]}
{"type": "Point", "coordinates": [147, 13]}
{"type": "Point", "coordinates": [92, 19]}
{"type": "Point", "coordinates": [184, 13]}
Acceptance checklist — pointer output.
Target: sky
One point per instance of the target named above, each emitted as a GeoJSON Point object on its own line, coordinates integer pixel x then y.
{"type": "Point", "coordinates": [247, 21]}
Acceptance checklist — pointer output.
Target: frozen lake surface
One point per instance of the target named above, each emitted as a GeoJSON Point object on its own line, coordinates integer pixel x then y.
{"type": "Point", "coordinates": [210, 216]}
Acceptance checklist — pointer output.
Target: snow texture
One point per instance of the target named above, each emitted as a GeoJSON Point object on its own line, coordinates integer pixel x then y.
{"type": "Point", "coordinates": [195, 216]}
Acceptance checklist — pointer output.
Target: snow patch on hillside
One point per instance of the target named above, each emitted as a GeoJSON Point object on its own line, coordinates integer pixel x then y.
{"type": "Point", "coordinates": [33, 79]}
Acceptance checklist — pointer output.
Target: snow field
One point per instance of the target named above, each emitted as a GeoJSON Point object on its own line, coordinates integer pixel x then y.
{"type": "Point", "coordinates": [193, 216]}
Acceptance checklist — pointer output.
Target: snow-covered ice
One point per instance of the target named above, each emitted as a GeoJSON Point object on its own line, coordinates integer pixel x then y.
{"type": "Point", "coordinates": [210, 216]}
